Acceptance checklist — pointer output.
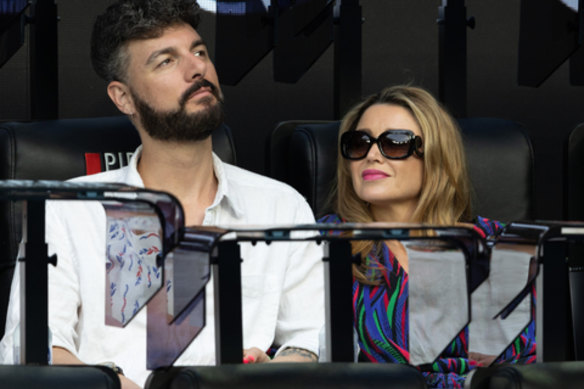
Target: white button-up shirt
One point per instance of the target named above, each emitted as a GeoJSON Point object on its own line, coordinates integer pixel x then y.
{"type": "Point", "coordinates": [282, 283]}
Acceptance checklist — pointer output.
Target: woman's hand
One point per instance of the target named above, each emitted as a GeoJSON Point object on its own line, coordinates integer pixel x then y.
{"type": "Point", "coordinates": [255, 355]}
{"type": "Point", "coordinates": [482, 359]}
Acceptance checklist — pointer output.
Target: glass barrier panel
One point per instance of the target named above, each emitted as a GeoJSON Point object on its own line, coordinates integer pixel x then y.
{"type": "Point", "coordinates": [176, 314]}
{"type": "Point", "coordinates": [166, 342]}
{"type": "Point", "coordinates": [495, 324]}
{"type": "Point", "coordinates": [133, 244]}
{"type": "Point", "coordinates": [438, 297]}
{"type": "Point", "coordinates": [187, 272]}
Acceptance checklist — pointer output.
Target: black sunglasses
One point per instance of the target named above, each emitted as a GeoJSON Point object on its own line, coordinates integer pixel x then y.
{"type": "Point", "coordinates": [393, 144]}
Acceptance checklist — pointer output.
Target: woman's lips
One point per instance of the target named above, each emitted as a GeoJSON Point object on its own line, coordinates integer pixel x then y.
{"type": "Point", "coordinates": [371, 175]}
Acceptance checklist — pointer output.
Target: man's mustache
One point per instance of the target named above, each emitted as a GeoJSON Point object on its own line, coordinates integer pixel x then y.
{"type": "Point", "coordinates": [198, 85]}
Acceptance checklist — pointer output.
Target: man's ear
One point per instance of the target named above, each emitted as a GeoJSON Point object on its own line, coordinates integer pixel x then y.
{"type": "Point", "coordinates": [120, 95]}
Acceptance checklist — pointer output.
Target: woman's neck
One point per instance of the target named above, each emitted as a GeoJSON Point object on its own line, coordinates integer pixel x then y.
{"type": "Point", "coordinates": [394, 213]}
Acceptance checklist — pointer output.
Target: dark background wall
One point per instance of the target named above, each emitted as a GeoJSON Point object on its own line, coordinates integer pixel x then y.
{"type": "Point", "coordinates": [400, 44]}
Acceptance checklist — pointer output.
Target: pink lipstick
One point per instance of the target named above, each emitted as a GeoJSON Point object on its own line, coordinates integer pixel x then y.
{"type": "Point", "coordinates": [372, 174]}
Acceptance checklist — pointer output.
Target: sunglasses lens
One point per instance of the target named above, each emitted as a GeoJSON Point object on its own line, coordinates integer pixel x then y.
{"type": "Point", "coordinates": [395, 145]}
{"type": "Point", "coordinates": [356, 144]}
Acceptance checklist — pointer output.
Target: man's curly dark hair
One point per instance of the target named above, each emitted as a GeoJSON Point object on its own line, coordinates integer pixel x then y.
{"type": "Point", "coordinates": [128, 20]}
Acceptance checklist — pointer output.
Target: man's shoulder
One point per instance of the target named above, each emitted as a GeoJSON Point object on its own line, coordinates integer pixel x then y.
{"type": "Point", "coordinates": [72, 208]}
{"type": "Point", "coordinates": [114, 176]}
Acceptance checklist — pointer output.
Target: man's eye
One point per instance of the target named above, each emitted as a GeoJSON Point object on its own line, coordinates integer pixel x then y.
{"type": "Point", "coordinates": [200, 53]}
{"type": "Point", "coordinates": [164, 63]}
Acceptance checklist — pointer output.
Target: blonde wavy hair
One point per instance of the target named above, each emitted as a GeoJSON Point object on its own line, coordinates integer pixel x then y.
{"type": "Point", "coordinates": [445, 194]}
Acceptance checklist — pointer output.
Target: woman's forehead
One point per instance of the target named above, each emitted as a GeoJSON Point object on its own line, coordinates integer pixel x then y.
{"type": "Point", "coordinates": [381, 117]}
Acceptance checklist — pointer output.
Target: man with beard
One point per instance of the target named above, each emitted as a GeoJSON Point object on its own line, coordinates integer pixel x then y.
{"type": "Point", "coordinates": [160, 75]}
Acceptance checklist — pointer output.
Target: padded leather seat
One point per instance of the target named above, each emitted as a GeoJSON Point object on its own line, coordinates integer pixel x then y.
{"type": "Point", "coordinates": [573, 182]}
{"type": "Point", "coordinates": [58, 377]}
{"type": "Point", "coordinates": [59, 150]}
{"type": "Point", "coordinates": [499, 155]}
{"type": "Point", "coordinates": [549, 375]}
{"type": "Point", "coordinates": [289, 376]}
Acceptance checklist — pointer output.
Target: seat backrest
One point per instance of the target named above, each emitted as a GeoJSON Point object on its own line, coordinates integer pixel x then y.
{"type": "Point", "coordinates": [304, 155]}
{"type": "Point", "coordinates": [565, 375]}
{"type": "Point", "coordinates": [59, 150]}
{"type": "Point", "coordinates": [58, 377]}
{"type": "Point", "coordinates": [574, 210]}
{"type": "Point", "coordinates": [574, 173]}
{"type": "Point", "coordinates": [499, 155]}
{"type": "Point", "coordinates": [337, 375]}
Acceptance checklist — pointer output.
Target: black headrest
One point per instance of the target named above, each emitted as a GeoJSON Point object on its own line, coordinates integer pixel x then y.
{"type": "Point", "coordinates": [499, 155]}
{"type": "Point", "coordinates": [58, 377]}
{"type": "Point", "coordinates": [288, 376]}
{"type": "Point", "coordinates": [63, 149]}
{"type": "Point", "coordinates": [500, 162]}
{"type": "Point", "coordinates": [565, 375]}
{"type": "Point", "coordinates": [304, 155]}
{"type": "Point", "coordinates": [573, 182]}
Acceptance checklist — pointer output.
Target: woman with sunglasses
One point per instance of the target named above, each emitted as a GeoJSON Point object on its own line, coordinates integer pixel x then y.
{"type": "Point", "coordinates": [401, 160]}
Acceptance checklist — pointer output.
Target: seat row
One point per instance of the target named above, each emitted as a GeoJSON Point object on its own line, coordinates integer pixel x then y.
{"type": "Point", "coordinates": [566, 375]}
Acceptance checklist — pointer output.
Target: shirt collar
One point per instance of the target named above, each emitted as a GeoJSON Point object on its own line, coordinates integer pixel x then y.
{"type": "Point", "coordinates": [224, 192]}
{"type": "Point", "coordinates": [132, 176]}
{"type": "Point", "coordinates": [223, 195]}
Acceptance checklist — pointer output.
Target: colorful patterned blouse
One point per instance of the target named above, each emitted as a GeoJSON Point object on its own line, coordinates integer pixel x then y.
{"type": "Point", "coordinates": [381, 321]}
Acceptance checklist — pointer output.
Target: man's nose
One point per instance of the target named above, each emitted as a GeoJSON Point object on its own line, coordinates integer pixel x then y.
{"type": "Point", "coordinates": [196, 67]}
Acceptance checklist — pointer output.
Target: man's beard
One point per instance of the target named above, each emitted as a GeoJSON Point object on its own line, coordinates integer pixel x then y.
{"type": "Point", "coordinates": [179, 125]}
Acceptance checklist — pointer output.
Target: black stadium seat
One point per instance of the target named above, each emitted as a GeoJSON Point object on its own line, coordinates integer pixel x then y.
{"type": "Point", "coordinates": [289, 376]}
{"type": "Point", "coordinates": [58, 377]}
{"type": "Point", "coordinates": [549, 375]}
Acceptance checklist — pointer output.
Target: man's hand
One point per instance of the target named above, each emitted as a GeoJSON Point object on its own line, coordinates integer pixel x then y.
{"type": "Point", "coordinates": [62, 356]}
